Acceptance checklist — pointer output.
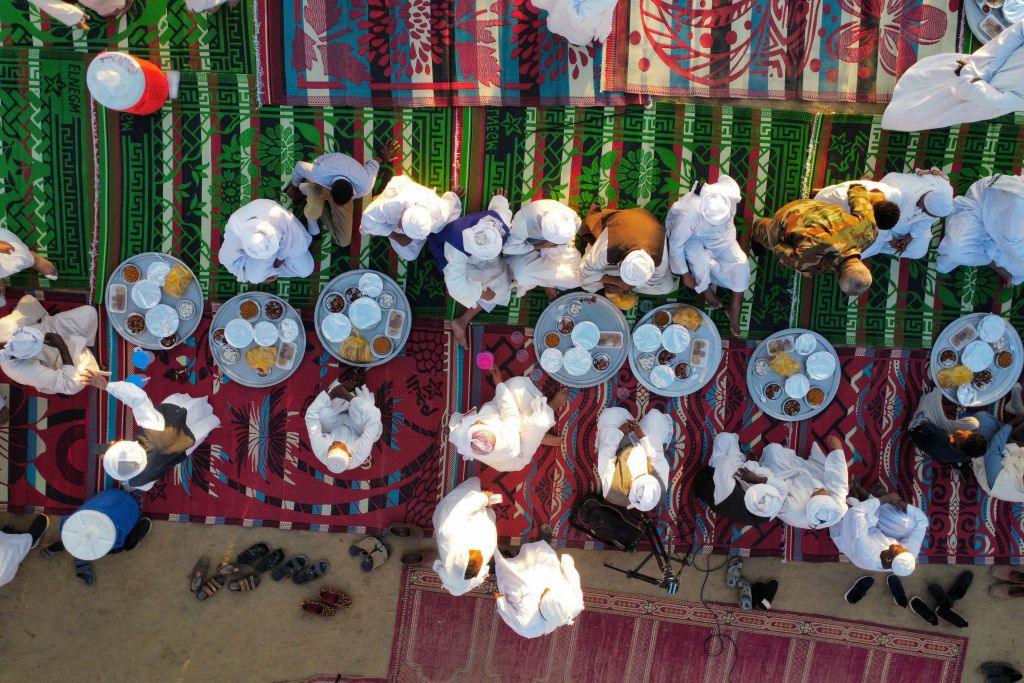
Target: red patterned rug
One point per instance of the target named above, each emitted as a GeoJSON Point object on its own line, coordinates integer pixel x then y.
{"type": "Point", "coordinates": [628, 637]}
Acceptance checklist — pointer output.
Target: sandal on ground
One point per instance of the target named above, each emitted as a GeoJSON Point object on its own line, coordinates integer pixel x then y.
{"type": "Point", "coordinates": [1010, 574]}
{"type": "Point", "coordinates": [373, 550]}
{"type": "Point", "coordinates": [405, 531]}
{"type": "Point", "coordinates": [252, 554]}
{"type": "Point", "coordinates": [234, 571]}
{"type": "Point", "coordinates": [1006, 590]}
{"type": "Point", "coordinates": [295, 564]}
{"type": "Point", "coordinates": [244, 585]}
{"type": "Point", "coordinates": [83, 570]}
{"type": "Point", "coordinates": [318, 609]}
{"type": "Point", "coordinates": [420, 556]}
{"type": "Point", "coordinates": [198, 576]}
{"type": "Point", "coordinates": [269, 561]}
{"type": "Point", "coordinates": [335, 597]}
{"type": "Point", "coordinates": [311, 572]}
{"type": "Point", "coordinates": [210, 588]}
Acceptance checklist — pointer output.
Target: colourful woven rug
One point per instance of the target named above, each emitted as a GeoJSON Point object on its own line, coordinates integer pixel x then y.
{"type": "Point", "coordinates": [420, 53]}
{"type": "Point", "coordinates": [828, 50]}
{"type": "Point", "coordinates": [630, 637]}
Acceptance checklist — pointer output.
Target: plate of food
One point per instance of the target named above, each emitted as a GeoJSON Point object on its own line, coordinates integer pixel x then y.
{"type": "Point", "coordinates": [976, 359]}
{"type": "Point", "coordinates": [247, 343]}
{"type": "Point", "coordinates": [682, 339]}
{"type": "Point", "coordinates": [793, 374]}
{"type": "Point", "coordinates": [363, 318]}
{"type": "Point", "coordinates": [148, 282]}
{"type": "Point", "coordinates": [591, 335]}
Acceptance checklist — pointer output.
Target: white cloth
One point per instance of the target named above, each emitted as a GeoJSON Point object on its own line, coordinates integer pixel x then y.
{"type": "Point", "coordinates": [522, 582]}
{"type": "Point", "coordinates": [206, 6]}
{"type": "Point", "coordinates": [544, 220]}
{"type": "Point", "coordinates": [763, 500]}
{"type": "Point", "coordinates": [25, 343]}
{"type": "Point", "coordinates": [519, 416]}
{"type": "Point", "coordinates": [581, 22]}
{"type": "Point", "coordinates": [649, 454]}
{"type": "Point", "coordinates": [18, 260]}
{"type": "Point", "coordinates": [931, 95]}
{"type": "Point", "coordinates": [483, 241]}
{"type": "Point", "coordinates": [70, 14]}
{"type": "Point", "coordinates": [13, 549]}
{"type": "Point", "coordinates": [987, 225]}
{"type": "Point", "coordinates": [292, 237]}
{"type": "Point", "coordinates": [330, 167]}
{"type": "Point", "coordinates": [1009, 484]}
{"type": "Point", "coordinates": [859, 537]}
{"type": "Point", "coordinates": [637, 268]}
{"type": "Point", "coordinates": [463, 521]}
{"type": "Point", "coordinates": [802, 478]}
{"type": "Point", "coordinates": [702, 237]}
{"type": "Point", "coordinates": [356, 423]}
{"type": "Point", "coordinates": [466, 277]}
{"type": "Point", "coordinates": [386, 214]}
{"type": "Point", "coordinates": [45, 372]}
{"type": "Point", "coordinates": [594, 265]}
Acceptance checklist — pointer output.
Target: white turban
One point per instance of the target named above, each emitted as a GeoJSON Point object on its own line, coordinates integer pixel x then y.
{"type": "Point", "coordinates": [939, 202]}
{"type": "Point", "coordinates": [260, 240]}
{"type": "Point", "coordinates": [416, 222]}
{"type": "Point", "coordinates": [823, 511]}
{"type": "Point", "coordinates": [465, 433]}
{"type": "Point", "coordinates": [130, 452]}
{"type": "Point", "coordinates": [637, 268]}
{"type": "Point", "coordinates": [718, 200]}
{"type": "Point", "coordinates": [483, 240]}
{"type": "Point", "coordinates": [559, 607]}
{"type": "Point", "coordinates": [763, 500]}
{"type": "Point", "coordinates": [338, 459]}
{"type": "Point", "coordinates": [644, 493]}
{"type": "Point", "coordinates": [26, 342]}
{"type": "Point", "coordinates": [893, 522]}
{"type": "Point", "coordinates": [558, 227]}
{"type": "Point", "coordinates": [903, 564]}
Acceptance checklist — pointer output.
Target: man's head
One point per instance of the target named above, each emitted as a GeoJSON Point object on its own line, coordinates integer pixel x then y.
{"type": "Point", "coordinates": [971, 444]}
{"type": "Point", "coordinates": [556, 610]}
{"type": "Point", "coordinates": [822, 509]}
{"type": "Point", "coordinates": [473, 564]}
{"type": "Point", "coordinates": [124, 460]}
{"type": "Point", "coordinates": [644, 493]}
{"type": "Point", "coordinates": [937, 203]}
{"type": "Point", "coordinates": [417, 222]}
{"type": "Point", "coordinates": [898, 559]}
{"type": "Point", "coordinates": [854, 277]}
{"type": "Point", "coordinates": [341, 192]}
{"type": "Point", "coordinates": [482, 439]}
{"type": "Point", "coordinates": [887, 215]}
{"type": "Point", "coordinates": [338, 457]}
{"type": "Point", "coordinates": [24, 343]}
{"type": "Point", "coordinates": [637, 268]}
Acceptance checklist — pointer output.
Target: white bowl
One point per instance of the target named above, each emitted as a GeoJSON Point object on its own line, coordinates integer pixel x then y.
{"type": "Point", "coordinates": [265, 333]}
{"type": "Point", "coordinates": [371, 284]}
{"type": "Point", "coordinates": [146, 294]}
{"type": "Point", "coordinates": [647, 338]}
{"type": "Point", "coordinates": [586, 334]}
{"type": "Point", "coordinates": [978, 356]}
{"type": "Point", "coordinates": [238, 333]}
{"type": "Point", "coordinates": [551, 360]}
{"type": "Point", "coordinates": [289, 330]}
{"type": "Point", "coordinates": [992, 327]}
{"type": "Point", "coordinates": [821, 365]}
{"type": "Point", "coordinates": [157, 272]}
{"type": "Point", "coordinates": [805, 344]}
{"type": "Point", "coordinates": [576, 361]}
{"type": "Point", "coordinates": [162, 321]}
{"type": "Point", "coordinates": [337, 327]}
{"type": "Point", "coordinates": [364, 313]}
{"type": "Point", "coordinates": [675, 338]}
{"type": "Point", "coordinates": [662, 376]}
{"type": "Point", "coordinates": [797, 386]}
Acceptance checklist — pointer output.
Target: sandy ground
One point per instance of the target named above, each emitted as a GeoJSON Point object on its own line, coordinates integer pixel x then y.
{"type": "Point", "coordinates": [138, 622]}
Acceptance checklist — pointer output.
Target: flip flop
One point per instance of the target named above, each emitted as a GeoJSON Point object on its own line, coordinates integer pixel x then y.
{"type": "Point", "coordinates": [83, 570]}
{"type": "Point", "coordinates": [269, 561]}
{"type": "Point", "coordinates": [295, 564]}
{"type": "Point", "coordinates": [210, 588]}
{"type": "Point", "coordinates": [254, 553]}
{"type": "Point", "coordinates": [376, 557]}
{"type": "Point", "coordinates": [335, 597]}
{"type": "Point", "coordinates": [244, 585]}
{"type": "Point", "coordinates": [311, 572]}
{"type": "Point", "coordinates": [198, 576]}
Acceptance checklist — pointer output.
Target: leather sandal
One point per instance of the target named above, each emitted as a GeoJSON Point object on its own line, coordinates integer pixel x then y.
{"type": "Point", "coordinates": [318, 609]}
{"type": "Point", "coordinates": [311, 572]}
{"type": "Point", "coordinates": [198, 576]}
{"type": "Point", "coordinates": [210, 588]}
{"type": "Point", "coordinates": [245, 585]}
{"type": "Point", "coordinates": [335, 597]}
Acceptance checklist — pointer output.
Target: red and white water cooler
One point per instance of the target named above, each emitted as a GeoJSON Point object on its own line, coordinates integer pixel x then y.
{"type": "Point", "coordinates": [125, 83]}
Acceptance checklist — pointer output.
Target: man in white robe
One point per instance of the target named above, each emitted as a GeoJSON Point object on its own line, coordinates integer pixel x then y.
{"type": "Point", "coordinates": [817, 487]}
{"type": "Point", "coordinates": [703, 248]}
{"type": "Point", "coordinates": [14, 546]}
{"type": "Point", "coordinates": [467, 536]}
{"type": "Point", "coordinates": [629, 253]}
{"type": "Point", "coordinates": [167, 434]}
{"type": "Point", "coordinates": [70, 14]}
{"type": "Point", "coordinates": [737, 488]}
{"type": "Point", "coordinates": [879, 536]}
{"type": "Point", "coordinates": [541, 247]}
{"type": "Point", "coordinates": [537, 591]}
{"type": "Point", "coordinates": [506, 432]}
{"type": "Point", "coordinates": [580, 22]}
{"type": "Point", "coordinates": [50, 352]}
{"type": "Point", "coordinates": [631, 462]}
{"type": "Point", "coordinates": [986, 228]}
{"type": "Point", "coordinates": [264, 241]}
{"type": "Point", "coordinates": [406, 213]}
{"type": "Point", "coordinates": [15, 257]}
{"type": "Point", "coordinates": [952, 88]}
{"type": "Point", "coordinates": [343, 425]}
{"type": "Point", "coordinates": [922, 197]}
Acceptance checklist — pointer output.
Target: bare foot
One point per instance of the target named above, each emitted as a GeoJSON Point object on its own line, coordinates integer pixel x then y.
{"type": "Point", "coordinates": [460, 330]}
{"type": "Point", "coordinates": [43, 266]}
{"type": "Point", "coordinates": [734, 314]}
{"type": "Point", "coordinates": [550, 439]}
{"type": "Point", "coordinates": [734, 327]}
{"type": "Point", "coordinates": [560, 399]}
{"type": "Point", "coordinates": [551, 293]}
{"type": "Point", "coordinates": [711, 298]}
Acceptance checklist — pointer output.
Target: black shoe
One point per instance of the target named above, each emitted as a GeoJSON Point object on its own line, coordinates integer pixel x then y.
{"type": "Point", "coordinates": [997, 668]}
{"type": "Point", "coordinates": [859, 589]}
{"type": "Point", "coordinates": [899, 596]}
{"type": "Point", "coordinates": [960, 586]}
{"type": "Point", "coordinates": [940, 596]}
{"type": "Point", "coordinates": [138, 532]}
{"type": "Point", "coordinates": [1007, 678]}
{"type": "Point", "coordinates": [770, 589]}
{"type": "Point", "coordinates": [757, 594]}
{"type": "Point", "coordinates": [924, 611]}
{"type": "Point", "coordinates": [52, 550]}
{"type": "Point", "coordinates": [38, 527]}
{"type": "Point", "coordinates": [950, 616]}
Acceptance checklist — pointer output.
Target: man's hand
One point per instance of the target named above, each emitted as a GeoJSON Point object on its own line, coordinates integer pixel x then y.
{"type": "Point", "coordinates": [894, 499]}
{"type": "Point", "coordinates": [633, 427]}
{"type": "Point", "coordinates": [749, 477]}
{"type": "Point", "coordinates": [495, 375]}
{"type": "Point", "coordinates": [834, 443]}
{"type": "Point", "coordinates": [53, 339]}
{"type": "Point", "coordinates": [96, 378]}
{"type": "Point", "coordinates": [458, 190]}
{"type": "Point", "coordinates": [6, 248]}
{"type": "Point", "coordinates": [960, 64]}
{"type": "Point", "coordinates": [294, 193]}
{"type": "Point", "coordinates": [543, 245]}
{"type": "Point", "coordinates": [401, 238]}
{"type": "Point", "coordinates": [341, 391]}
{"type": "Point", "coordinates": [390, 152]}
{"type": "Point", "coordinates": [550, 439]}
{"type": "Point", "coordinates": [278, 263]}
{"type": "Point", "coordinates": [487, 294]}
{"type": "Point", "coordinates": [272, 278]}
{"type": "Point", "coordinates": [900, 244]}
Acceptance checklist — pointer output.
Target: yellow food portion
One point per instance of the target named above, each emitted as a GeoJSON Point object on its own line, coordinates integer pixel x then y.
{"type": "Point", "coordinates": [355, 349]}
{"type": "Point", "coordinates": [689, 317]}
{"type": "Point", "coordinates": [625, 301]}
{"type": "Point", "coordinates": [950, 378]}
{"type": "Point", "coordinates": [178, 281]}
{"type": "Point", "coordinates": [261, 358]}
{"type": "Point", "coordinates": [784, 364]}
